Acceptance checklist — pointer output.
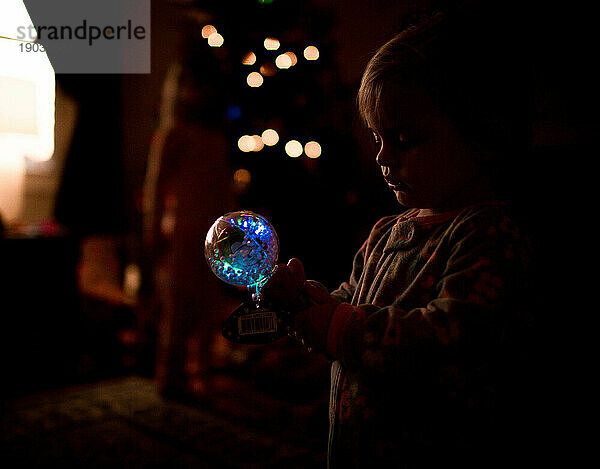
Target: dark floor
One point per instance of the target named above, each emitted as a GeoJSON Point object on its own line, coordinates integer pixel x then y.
{"type": "Point", "coordinates": [66, 405]}
{"type": "Point", "coordinates": [76, 400]}
{"type": "Point", "coordinates": [124, 422]}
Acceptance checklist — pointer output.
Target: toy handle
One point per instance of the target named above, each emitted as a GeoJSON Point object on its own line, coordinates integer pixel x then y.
{"type": "Point", "coordinates": [259, 323]}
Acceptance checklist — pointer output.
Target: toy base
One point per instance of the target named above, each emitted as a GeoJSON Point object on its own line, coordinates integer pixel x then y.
{"type": "Point", "coordinates": [249, 324]}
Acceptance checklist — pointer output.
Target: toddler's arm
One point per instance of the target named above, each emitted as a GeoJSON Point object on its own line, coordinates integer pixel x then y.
{"type": "Point", "coordinates": [474, 304]}
{"type": "Point", "coordinates": [288, 289]}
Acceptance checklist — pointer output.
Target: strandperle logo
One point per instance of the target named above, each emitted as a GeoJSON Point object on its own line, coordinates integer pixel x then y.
{"type": "Point", "coordinates": [89, 36]}
{"type": "Point", "coordinates": [85, 31]}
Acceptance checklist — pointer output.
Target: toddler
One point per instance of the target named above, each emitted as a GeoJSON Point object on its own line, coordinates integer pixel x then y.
{"type": "Point", "coordinates": [421, 336]}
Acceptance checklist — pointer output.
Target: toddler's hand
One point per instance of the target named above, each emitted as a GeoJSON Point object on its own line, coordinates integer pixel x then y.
{"type": "Point", "coordinates": [317, 293]}
{"type": "Point", "coordinates": [311, 324]}
{"type": "Point", "coordinates": [285, 287]}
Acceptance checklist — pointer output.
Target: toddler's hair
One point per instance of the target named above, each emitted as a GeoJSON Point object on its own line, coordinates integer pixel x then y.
{"type": "Point", "coordinates": [468, 64]}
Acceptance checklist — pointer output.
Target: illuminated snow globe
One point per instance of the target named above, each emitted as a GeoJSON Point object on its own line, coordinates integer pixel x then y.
{"type": "Point", "coordinates": [241, 249]}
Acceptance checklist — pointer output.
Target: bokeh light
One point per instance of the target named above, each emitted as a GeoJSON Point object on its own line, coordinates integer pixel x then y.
{"type": "Point", "coordinates": [242, 178]}
{"type": "Point", "coordinates": [234, 112]}
{"type": "Point", "coordinates": [246, 143]}
{"type": "Point", "coordinates": [271, 43]}
{"type": "Point", "coordinates": [254, 79]}
{"type": "Point", "coordinates": [207, 30]}
{"type": "Point", "coordinates": [215, 40]}
{"type": "Point", "coordinates": [283, 61]}
{"type": "Point", "coordinates": [311, 53]}
{"type": "Point", "coordinates": [270, 137]}
{"type": "Point", "coordinates": [249, 58]}
{"type": "Point", "coordinates": [268, 69]}
{"type": "Point", "coordinates": [293, 148]}
{"type": "Point", "coordinates": [258, 143]}
{"type": "Point", "coordinates": [292, 57]}
{"type": "Point", "coordinates": [312, 149]}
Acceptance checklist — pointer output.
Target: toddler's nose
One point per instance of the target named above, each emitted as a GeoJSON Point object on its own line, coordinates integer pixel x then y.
{"type": "Point", "coordinates": [383, 157]}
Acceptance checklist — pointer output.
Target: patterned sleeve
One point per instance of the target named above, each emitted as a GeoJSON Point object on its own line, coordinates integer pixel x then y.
{"type": "Point", "coordinates": [346, 290]}
{"type": "Point", "coordinates": [473, 295]}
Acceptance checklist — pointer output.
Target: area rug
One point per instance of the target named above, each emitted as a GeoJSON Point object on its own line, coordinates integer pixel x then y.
{"type": "Point", "coordinates": [126, 423]}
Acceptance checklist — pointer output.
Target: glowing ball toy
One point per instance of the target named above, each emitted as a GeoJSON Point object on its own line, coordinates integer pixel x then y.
{"type": "Point", "coordinates": [241, 249]}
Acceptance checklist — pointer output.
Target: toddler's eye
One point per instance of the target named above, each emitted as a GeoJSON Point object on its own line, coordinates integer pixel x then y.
{"type": "Point", "coordinates": [408, 143]}
{"type": "Point", "coordinates": [376, 139]}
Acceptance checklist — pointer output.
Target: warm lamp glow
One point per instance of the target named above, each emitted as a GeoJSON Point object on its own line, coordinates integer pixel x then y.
{"type": "Point", "coordinates": [14, 14]}
{"type": "Point", "coordinates": [18, 111]}
{"type": "Point", "coordinates": [27, 93]}
{"type": "Point", "coordinates": [12, 170]}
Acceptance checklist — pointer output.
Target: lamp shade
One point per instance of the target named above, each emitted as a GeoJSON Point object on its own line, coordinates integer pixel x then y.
{"type": "Point", "coordinates": [27, 94]}
{"type": "Point", "coordinates": [14, 17]}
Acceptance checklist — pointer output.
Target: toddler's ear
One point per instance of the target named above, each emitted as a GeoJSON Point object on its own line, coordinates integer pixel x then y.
{"type": "Point", "coordinates": [297, 270]}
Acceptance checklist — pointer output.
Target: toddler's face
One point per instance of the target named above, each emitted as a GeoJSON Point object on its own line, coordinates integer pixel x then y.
{"type": "Point", "coordinates": [423, 157]}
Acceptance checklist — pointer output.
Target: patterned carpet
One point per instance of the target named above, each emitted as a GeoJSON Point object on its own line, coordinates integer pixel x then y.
{"type": "Point", "coordinates": [126, 423]}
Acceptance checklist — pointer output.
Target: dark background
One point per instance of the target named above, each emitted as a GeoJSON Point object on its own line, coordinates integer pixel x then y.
{"type": "Point", "coordinates": [322, 209]}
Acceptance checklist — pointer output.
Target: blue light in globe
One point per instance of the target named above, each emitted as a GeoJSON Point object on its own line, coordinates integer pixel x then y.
{"type": "Point", "coordinates": [241, 249]}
